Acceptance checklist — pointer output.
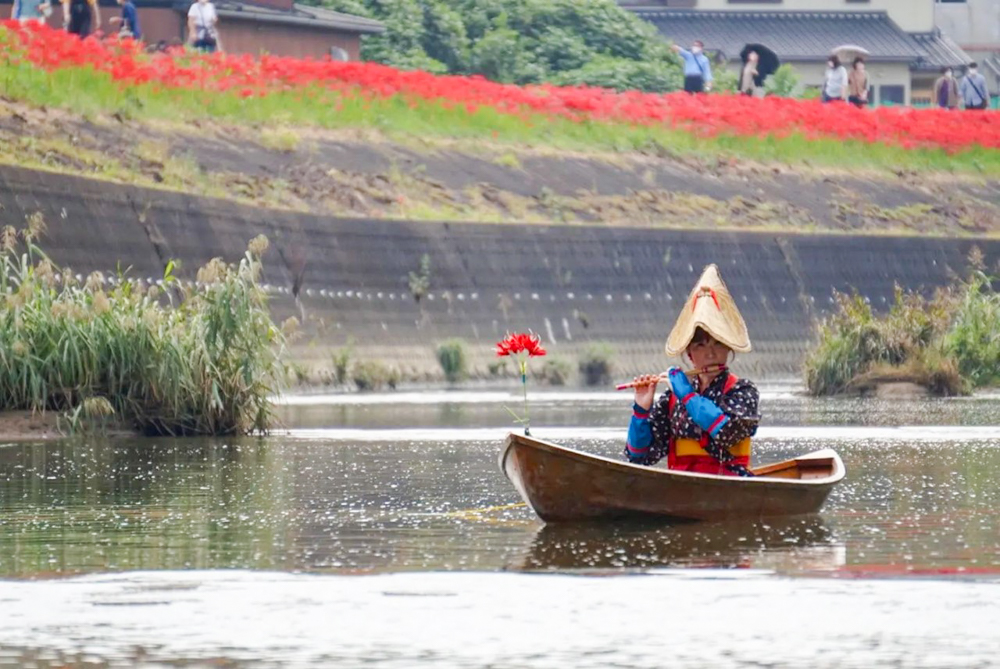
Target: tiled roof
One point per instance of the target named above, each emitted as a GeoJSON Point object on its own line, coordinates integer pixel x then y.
{"type": "Point", "coordinates": [303, 15]}
{"type": "Point", "coordinates": [940, 51]}
{"type": "Point", "coordinates": [792, 35]}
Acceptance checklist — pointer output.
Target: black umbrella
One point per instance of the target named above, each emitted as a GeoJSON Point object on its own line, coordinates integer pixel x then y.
{"type": "Point", "coordinates": [766, 65]}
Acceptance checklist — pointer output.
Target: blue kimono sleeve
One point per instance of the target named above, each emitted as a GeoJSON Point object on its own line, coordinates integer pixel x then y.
{"type": "Point", "coordinates": [640, 435]}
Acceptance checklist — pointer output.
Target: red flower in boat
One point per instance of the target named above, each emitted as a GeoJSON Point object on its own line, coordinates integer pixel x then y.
{"type": "Point", "coordinates": [522, 342]}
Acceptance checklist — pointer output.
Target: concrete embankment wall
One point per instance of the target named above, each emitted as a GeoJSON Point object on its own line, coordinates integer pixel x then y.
{"type": "Point", "coordinates": [573, 284]}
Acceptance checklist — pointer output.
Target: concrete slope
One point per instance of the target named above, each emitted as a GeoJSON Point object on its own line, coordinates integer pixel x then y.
{"type": "Point", "coordinates": [349, 277]}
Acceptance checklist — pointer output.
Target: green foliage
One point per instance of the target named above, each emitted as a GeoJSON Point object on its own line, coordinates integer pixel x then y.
{"type": "Point", "coordinates": [204, 366]}
{"type": "Point", "coordinates": [453, 355]}
{"type": "Point", "coordinates": [341, 359]}
{"type": "Point", "coordinates": [948, 343]}
{"type": "Point", "coordinates": [555, 371]}
{"type": "Point", "coordinates": [725, 80]}
{"type": "Point", "coordinates": [974, 339]}
{"type": "Point", "coordinates": [783, 83]}
{"type": "Point", "coordinates": [621, 75]}
{"type": "Point", "coordinates": [520, 41]}
{"type": "Point", "coordinates": [596, 363]}
{"type": "Point", "coordinates": [374, 375]}
{"type": "Point", "coordinates": [420, 281]}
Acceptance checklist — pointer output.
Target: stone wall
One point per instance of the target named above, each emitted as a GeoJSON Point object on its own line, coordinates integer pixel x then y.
{"type": "Point", "coordinates": [573, 284]}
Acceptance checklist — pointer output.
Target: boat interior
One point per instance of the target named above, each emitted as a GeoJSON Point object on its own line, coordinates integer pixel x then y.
{"type": "Point", "coordinates": [802, 469]}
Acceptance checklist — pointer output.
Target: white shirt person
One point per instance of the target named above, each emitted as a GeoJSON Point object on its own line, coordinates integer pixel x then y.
{"type": "Point", "coordinates": [203, 21]}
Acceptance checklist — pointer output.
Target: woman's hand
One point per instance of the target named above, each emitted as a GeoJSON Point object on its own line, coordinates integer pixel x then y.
{"type": "Point", "coordinates": [645, 390]}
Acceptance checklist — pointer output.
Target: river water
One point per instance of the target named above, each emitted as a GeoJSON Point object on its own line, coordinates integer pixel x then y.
{"type": "Point", "coordinates": [377, 530]}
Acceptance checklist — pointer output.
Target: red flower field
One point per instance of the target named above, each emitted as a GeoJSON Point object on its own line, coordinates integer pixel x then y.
{"type": "Point", "coordinates": [708, 115]}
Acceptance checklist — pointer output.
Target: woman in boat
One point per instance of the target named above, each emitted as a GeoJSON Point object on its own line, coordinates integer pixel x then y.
{"type": "Point", "coordinates": [701, 424]}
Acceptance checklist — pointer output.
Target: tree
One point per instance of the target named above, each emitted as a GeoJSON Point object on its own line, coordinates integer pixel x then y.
{"type": "Point", "coordinates": [520, 41]}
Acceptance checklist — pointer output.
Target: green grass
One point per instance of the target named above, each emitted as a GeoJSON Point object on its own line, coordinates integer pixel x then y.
{"type": "Point", "coordinates": [177, 359]}
{"type": "Point", "coordinates": [947, 343]}
{"type": "Point", "coordinates": [91, 93]}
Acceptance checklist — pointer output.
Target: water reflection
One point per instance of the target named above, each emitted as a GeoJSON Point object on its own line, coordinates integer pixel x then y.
{"type": "Point", "coordinates": [915, 501]}
{"type": "Point", "coordinates": [788, 545]}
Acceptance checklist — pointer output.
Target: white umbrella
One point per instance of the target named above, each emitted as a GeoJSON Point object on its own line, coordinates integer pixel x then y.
{"type": "Point", "coordinates": [848, 52]}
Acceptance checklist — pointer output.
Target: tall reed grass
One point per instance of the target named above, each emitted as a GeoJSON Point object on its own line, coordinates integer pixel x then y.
{"type": "Point", "coordinates": [949, 343]}
{"type": "Point", "coordinates": [172, 359]}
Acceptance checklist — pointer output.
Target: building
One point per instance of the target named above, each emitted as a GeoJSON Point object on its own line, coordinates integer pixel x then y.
{"type": "Point", "coordinates": [279, 27]}
{"type": "Point", "coordinates": [906, 49]}
{"type": "Point", "coordinates": [975, 26]}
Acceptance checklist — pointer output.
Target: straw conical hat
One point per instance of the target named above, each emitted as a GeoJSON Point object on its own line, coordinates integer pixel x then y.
{"type": "Point", "coordinates": [711, 308]}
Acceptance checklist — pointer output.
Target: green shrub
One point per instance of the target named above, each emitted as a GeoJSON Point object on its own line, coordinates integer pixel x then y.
{"type": "Point", "coordinates": [947, 343]}
{"type": "Point", "coordinates": [974, 338]}
{"type": "Point", "coordinates": [783, 83]}
{"type": "Point", "coordinates": [341, 359]}
{"type": "Point", "coordinates": [206, 365]}
{"type": "Point", "coordinates": [373, 375]}
{"type": "Point", "coordinates": [596, 42]}
{"type": "Point", "coordinates": [555, 371]}
{"type": "Point", "coordinates": [453, 356]}
{"type": "Point", "coordinates": [596, 363]}
{"type": "Point", "coordinates": [497, 368]}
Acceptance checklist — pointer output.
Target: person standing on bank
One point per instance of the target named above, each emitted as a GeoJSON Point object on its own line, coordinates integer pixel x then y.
{"type": "Point", "coordinates": [834, 81]}
{"type": "Point", "coordinates": [857, 84]}
{"type": "Point", "coordinates": [203, 21]}
{"type": "Point", "coordinates": [697, 69]}
{"type": "Point", "coordinates": [748, 80]}
{"type": "Point", "coordinates": [946, 90]}
{"type": "Point", "coordinates": [79, 16]}
{"type": "Point", "coordinates": [974, 92]}
{"type": "Point", "coordinates": [128, 21]}
{"type": "Point", "coordinates": [703, 424]}
{"type": "Point", "coordinates": [25, 11]}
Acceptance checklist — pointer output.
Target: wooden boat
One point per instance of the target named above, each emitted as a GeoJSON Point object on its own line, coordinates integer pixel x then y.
{"type": "Point", "coordinates": [562, 484]}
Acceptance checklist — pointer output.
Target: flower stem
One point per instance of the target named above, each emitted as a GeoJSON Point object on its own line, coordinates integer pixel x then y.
{"type": "Point", "coordinates": [524, 387]}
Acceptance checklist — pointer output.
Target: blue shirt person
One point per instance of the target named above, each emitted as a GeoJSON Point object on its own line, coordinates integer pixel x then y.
{"type": "Point", "coordinates": [974, 90]}
{"type": "Point", "coordinates": [30, 10]}
{"type": "Point", "coordinates": [697, 68]}
{"type": "Point", "coordinates": [129, 20]}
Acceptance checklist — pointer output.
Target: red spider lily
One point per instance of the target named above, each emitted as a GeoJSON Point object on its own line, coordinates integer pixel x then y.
{"type": "Point", "coordinates": [704, 115]}
{"type": "Point", "coordinates": [516, 345]}
{"type": "Point", "coordinates": [522, 342]}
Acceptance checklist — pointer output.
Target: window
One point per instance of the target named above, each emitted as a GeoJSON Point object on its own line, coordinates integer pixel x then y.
{"type": "Point", "coordinates": [892, 95]}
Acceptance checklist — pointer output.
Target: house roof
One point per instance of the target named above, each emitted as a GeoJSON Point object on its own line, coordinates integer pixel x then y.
{"type": "Point", "coordinates": [792, 35]}
{"type": "Point", "coordinates": [301, 15]}
{"type": "Point", "coordinates": [940, 51]}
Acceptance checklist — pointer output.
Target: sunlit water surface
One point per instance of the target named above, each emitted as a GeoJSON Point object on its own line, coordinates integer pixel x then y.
{"type": "Point", "coordinates": [409, 483]}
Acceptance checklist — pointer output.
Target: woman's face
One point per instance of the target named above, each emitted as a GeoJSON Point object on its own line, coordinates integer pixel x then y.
{"type": "Point", "coordinates": [753, 57]}
{"type": "Point", "coordinates": [707, 351]}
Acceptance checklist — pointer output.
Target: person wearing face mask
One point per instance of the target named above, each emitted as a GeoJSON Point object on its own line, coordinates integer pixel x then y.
{"type": "Point", "coordinates": [946, 90]}
{"type": "Point", "coordinates": [697, 69]}
{"type": "Point", "coordinates": [704, 421]}
{"type": "Point", "coordinates": [974, 92]}
{"type": "Point", "coordinates": [857, 84]}
{"type": "Point", "coordinates": [834, 81]}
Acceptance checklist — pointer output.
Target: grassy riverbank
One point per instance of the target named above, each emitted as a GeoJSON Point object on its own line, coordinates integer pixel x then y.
{"type": "Point", "coordinates": [399, 117]}
{"type": "Point", "coordinates": [946, 343]}
{"type": "Point", "coordinates": [91, 93]}
{"type": "Point", "coordinates": [49, 68]}
{"type": "Point", "coordinates": [175, 358]}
